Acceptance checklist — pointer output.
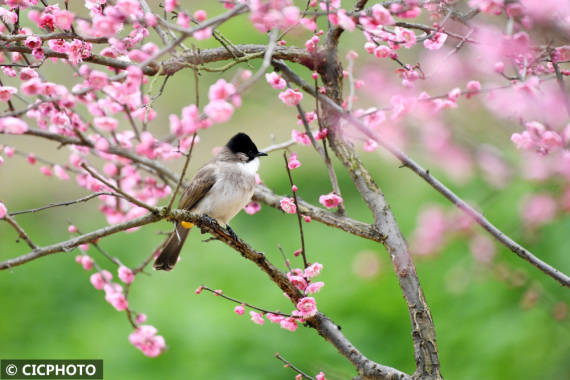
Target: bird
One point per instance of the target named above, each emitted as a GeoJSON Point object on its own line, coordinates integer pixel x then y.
{"type": "Point", "coordinates": [219, 189]}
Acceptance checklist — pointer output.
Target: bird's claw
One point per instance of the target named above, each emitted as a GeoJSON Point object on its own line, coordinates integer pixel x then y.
{"type": "Point", "coordinates": [232, 233]}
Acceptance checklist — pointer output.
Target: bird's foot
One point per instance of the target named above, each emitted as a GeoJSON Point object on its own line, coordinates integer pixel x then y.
{"type": "Point", "coordinates": [211, 222]}
{"type": "Point", "coordinates": [232, 233]}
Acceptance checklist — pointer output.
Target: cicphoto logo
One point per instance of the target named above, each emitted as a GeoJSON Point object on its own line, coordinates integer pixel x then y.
{"type": "Point", "coordinates": [51, 369]}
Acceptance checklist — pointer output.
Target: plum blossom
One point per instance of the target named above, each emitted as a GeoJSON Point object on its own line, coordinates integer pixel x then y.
{"type": "Point", "coordinates": [330, 200]}
{"type": "Point", "coordinates": [275, 81]}
{"type": "Point", "coordinates": [345, 21]}
{"type": "Point", "coordinates": [307, 307]}
{"type": "Point", "coordinates": [300, 137]}
{"type": "Point", "coordinates": [288, 324]}
{"type": "Point", "coordinates": [315, 287]}
{"type": "Point", "coordinates": [105, 123]}
{"type": "Point", "coordinates": [538, 210]}
{"type": "Point", "coordinates": [145, 339]}
{"type": "Point", "coordinates": [291, 97]}
{"type": "Point", "coordinates": [239, 310]}
{"type": "Point", "coordinates": [6, 92]}
{"type": "Point", "coordinates": [219, 111]}
{"type": "Point", "coordinates": [313, 270]}
{"type": "Point", "coordinates": [126, 275]}
{"type": "Point", "coordinates": [115, 296]}
{"type": "Point", "coordinates": [99, 279]}
{"type": "Point", "coordinates": [288, 205]}
{"type": "Point", "coordinates": [293, 163]}
{"type": "Point", "coordinates": [252, 208]}
{"type": "Point", "coordinates": [60, 172]}
{"type": "Point", "coordinates": [3, 210]}
{"type": "Point", "coordinates": [257, 318]}
{"type": "Point", "coordinates": [320, 376]}
{"type": "Point", "coordinates": [13, 125]}
{"type": "Point", "coordinates": [405, 36]}
{"type": "Point", "coordinates": [63, 19]}
{"type": "Point", "coordinates": [436, 41]}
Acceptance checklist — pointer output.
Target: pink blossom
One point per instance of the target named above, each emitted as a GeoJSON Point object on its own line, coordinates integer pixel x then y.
{"type": "Point", "coordinates": [330, 200]}
{"type": "Point", "coordinates": [33, 42]}
{"type": "Point", "coordinates": [288, 205]}
{"type": "Point", "coordinates": [221, 90]}
{"type": "Point", "coordinates": [252, 208]}
{"type": "Point", "coordinates": [315, 287]}
{"type": "Point", "coordinates": [99, 279]}
{"type": "Point", "coordinates": [63, 19]}
{"type": "Point", "coordinates": [72, 229]}
{"type": "Point", "coordinates": [300, 137]}
{"type": "Point", "coordinates": [537, 210]}
{"type": "Point", "coordinates": [454, 94]}
{"type": "Point", "coordinates": [288, 324]}
{"type": "Point", "coordinates": [382, 51]}
{"type": "Point", "coordinates": [473, 88]}
{"type": "Point", "coordinates": [115, 296]}
{"type": "Point", "coordinates": [31, 158]}
{"type": "Point", "coordinates": [170, 5]}
{"type": "Point", "coordinates": [126, 275]}
{"type": "Point", "coordinates": [7, 16]}
{"type": "Point", "coordinates": [203, 34]}
{"type": "Point", "coordinates": [344, 21]}
{"type": "Point", "coordinates": [294, 188]}
{"type": "Point", "coordinates": [46, 170]}
{"type": "Point", "coordinates": [9, 151]}
{"type": "Point", "coordinates": [6, 92]}
{"type": "Point", "coordinates": [313, 270]}
{"type": "Point", "coordinates": [311, 44]}
{"type": "Point", "coordinates": [140, 318]}
{"type": "Point", "coordinates": [257, 318]}
{"type": "Point", "coordinates": [429, 235]}
{"type": "Point", "coordinates": [320, 376]}
{"type": "Point", "coordinates": [31, 87]}
{"type": "Point", "coordinates": [306, 218]}
{"type": "Point", "coordinates": [60, 172]}
{"type": "Point", "coordinates": [219, 111]}
{"type": "Point", "coordinates": [293, 163]}
{"type": "Point", "coordinates": [87, 262]}
{"type": "Point", "coordinates": [291, 97]}
{"type": "Point", "coordinates": [274, 318]}
{"type": "Point", "coordinates": [101, 144]}
{"type": "Point", "coordinates": [27, 74]}
{"type": "Point", "coordinates": [3, 210]}
{"type": "Point", "coordinates": [307, 307]}
{"type": "Point", "coordinates": [145, 339]}
{"type": "Point", "coordinates": [275, 80]}
{"type": "Point", "coordinates": [199, 289]}
{"type": "Point", "coordinates": [436, 41]}
{"type": "Point", "coordinates": [13, 125]}
{"type": "Point", "coordinates": [482, 248]}
{"type": "Point", "coordinates": [299, 282]}
{"type": "Point", "coordinates": [98, 79]}
{"type": "Point", "coordinates": [370, 145]}
{"type": "Point", "coordinates": [406, 36]}
{"type": "Point", "coordinates": [381, 15]}
{"type": "Point", "coordinates": [239, 310]}
{"type": "Point", "coordinates": [494, 7]}
{"type": "Point", "coordinates": [105, 123]}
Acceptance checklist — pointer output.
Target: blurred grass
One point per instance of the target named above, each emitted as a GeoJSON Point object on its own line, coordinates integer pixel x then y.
{"type": "Point", "coordinates": [50, 310]}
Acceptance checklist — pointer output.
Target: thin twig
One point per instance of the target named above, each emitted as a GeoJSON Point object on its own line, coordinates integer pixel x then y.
{"type": "Point", "coordinates": [290, 365]}
{"type": "Point", "coordinates": [68, 203]}
{"type": "Point", "coordinates": [128, 197]}
{"type": "Point", "coordinates": [299, 217]}
{"type": "Point", "coordinates": [21, 233]}
{"type": "Point", "coordinates": [265, 311]}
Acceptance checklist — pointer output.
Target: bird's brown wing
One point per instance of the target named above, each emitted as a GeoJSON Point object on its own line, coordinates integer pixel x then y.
{"type": "Point", "coordinates": [198, 187]}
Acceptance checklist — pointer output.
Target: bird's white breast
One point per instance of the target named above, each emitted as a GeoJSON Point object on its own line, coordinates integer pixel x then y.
{"type": "Point", "coordinates": [235, 183]}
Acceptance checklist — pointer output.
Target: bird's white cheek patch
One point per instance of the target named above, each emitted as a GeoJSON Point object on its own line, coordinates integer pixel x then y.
{"type": "Point", "coordinates": [251, 167]}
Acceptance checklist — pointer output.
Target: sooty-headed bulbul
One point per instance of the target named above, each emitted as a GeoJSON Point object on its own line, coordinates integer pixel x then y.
{"type": "Point", "coordinates": [220, 189]}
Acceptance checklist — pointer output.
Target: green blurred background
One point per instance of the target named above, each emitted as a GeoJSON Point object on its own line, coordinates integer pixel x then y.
{"type": "Point", "coordinates": [50, 310]}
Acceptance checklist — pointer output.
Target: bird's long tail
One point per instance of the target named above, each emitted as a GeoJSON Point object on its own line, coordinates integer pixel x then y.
{"type": "Point", "coordinates": [172, 246]}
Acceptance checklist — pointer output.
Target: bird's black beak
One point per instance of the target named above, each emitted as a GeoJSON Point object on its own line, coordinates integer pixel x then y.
{"type": "Point", "coordinates": [259, 154]}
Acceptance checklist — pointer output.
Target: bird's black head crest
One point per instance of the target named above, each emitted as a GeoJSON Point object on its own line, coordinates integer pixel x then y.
{"type": "Point", "coordinates": [241, 143]}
